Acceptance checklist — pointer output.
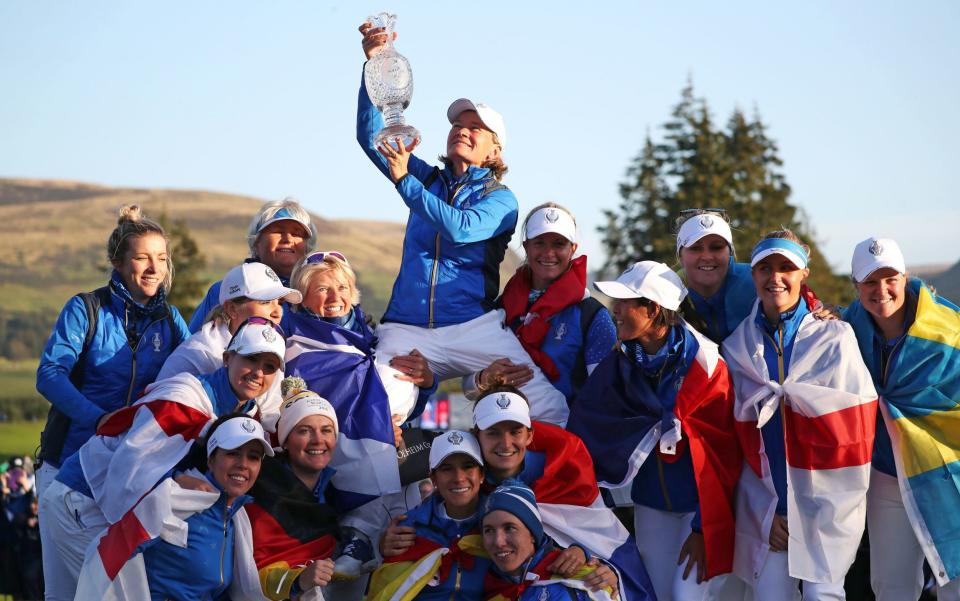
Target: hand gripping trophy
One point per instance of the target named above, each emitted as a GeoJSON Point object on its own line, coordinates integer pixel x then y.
{"type": "Point", "coordinates": [389, 82]}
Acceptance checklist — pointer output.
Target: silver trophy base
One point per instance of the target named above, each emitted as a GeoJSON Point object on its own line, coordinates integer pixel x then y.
{"type": "Point", "coordinates": [407, 133]}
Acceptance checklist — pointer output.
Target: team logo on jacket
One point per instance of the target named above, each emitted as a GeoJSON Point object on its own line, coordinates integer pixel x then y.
{"type": "Point", "coordinates": [248, 426]}
{"type": "Point", "coordinates": [706, 222]}
{"type": "Point", "coordinates": [157, 342]}
{"type": "Point", "coordinates": [876, 249]}
{"type": "Point", "coordinates": [503, 401]}
{"type": "Point", "coordinates": [551, 215]}
{"type": "Point", "coordinates": [544, 595]}
{"type": "Point", "coordinates": [561, 332]}
{"type": "Point", "coordinates": [272, 274]}
{"type": "Point", "coordinates": [269, 335]}
{"type": "Point", "coordinates": [455, 438]}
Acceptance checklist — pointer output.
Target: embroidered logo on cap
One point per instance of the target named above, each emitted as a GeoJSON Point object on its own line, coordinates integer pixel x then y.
{"type": "Point", "coordinates": [455, 438]}
{"type": "Point", "coordinates": [503, 401]}
{"type": "Point", "coordinates": [876, 249]}
{"type": "Point", "coordinates": [551, 215]}
{"type": "Point", "coordinates": [706, 221]}
{"type": "Point", "coordinates": [248, 426]}
{"type": "Point", "coordinates": [271, 274]}
{"type": "Point", "coordinates": [234, 289]}
{"type": "Point", "coordinates": [269, 335]}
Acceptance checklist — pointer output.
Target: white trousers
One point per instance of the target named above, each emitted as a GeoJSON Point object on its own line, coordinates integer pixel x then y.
{"type": "Point", "coordinates": [461, 349]}
{"type": "Point", "coordinates": [776, 584]}
{"type": "Point", "coordinates": [896, 559]}
{"type": "Point", "coordinates": [660, 535]}
{"type": "Point", "coordinates": [69, 522]}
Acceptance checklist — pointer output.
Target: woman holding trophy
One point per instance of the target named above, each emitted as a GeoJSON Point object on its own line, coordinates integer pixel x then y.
{"type": "Point", "coordinates": [461, 219]}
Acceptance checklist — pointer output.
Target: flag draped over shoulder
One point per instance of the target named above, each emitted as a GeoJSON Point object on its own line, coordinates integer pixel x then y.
{"type": "Point", "coordinates": [920, 403]}
{"type": "Point", "coordinates": [573, 511]}
{"type": "Point", "coordinates": [829, 409]}
{"type": "Point", "coordinates": [138, 445]}
{"type": "Point", "coordinates": [338, 364]}
{"type": "Point", "coordinates": [402, 577]}
{"type": "Point", "coordinates": [289, 528]}
{"type": "Point", "coordinates": [113, 570]}
{"type": "Point", "coordinates": [497, 589]}
{"type": "Point", "coordinates": [619, 419]}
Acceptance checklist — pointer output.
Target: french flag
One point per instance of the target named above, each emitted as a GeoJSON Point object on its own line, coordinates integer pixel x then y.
{"type": "Point", "coordinates": [620, 419]}
{"type": "Point", "coordinates": [573, 511]}
{"type": "Point", "coordinates": [829, 407]}
{"type": "Point", "coordinates": [338, 364]}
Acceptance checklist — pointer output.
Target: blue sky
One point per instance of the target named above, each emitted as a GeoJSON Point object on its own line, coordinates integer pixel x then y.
{"type": "Point", "coordinates": [259, 98]}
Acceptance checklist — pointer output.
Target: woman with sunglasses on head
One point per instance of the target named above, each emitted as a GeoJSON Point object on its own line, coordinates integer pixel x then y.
{"type": "Point", "coordinates": [565, 331]}
{"type": "Point", "coordinates": [192, 545]}
{"type": "Point", "coordinates": [142, 444]}
{"type": "Point", "coordinates": [279, 236]}
{"type": "Point", "coordinates": [909, 338]}
{"type": "Point", "coordinates": [806, 413]}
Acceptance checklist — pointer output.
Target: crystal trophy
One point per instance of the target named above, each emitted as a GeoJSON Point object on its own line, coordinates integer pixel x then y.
{"type": "Point", "coordinates": [389, 82]}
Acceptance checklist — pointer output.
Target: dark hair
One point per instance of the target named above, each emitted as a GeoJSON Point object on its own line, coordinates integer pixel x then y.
{"type": "Point", "coordinates": [501, 388]}
{"type": "Point", "coordinates": [665, 317]}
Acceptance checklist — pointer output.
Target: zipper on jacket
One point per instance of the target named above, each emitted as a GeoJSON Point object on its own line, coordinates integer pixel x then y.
{"type": "Point", "coordinates": [663, 483]}
{"type": "Point", "coordinates": [886, 368]}
{"type": "Point", "coordinates": [436, 261]}
{"type": "Point", "coordinates": [133, 364]}
{"type": "Point", "coordinates": [456, 585]}
{"type": "Point", "coordinates": [223, 547]}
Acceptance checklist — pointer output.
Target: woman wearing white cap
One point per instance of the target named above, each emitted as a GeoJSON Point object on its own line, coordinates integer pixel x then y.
{"type": "Point", "coordinates": [138, 446]}
{"type": "Point", "coordinates": [415, 564]}
{"type": "Point", "coordinates": [197, 551]}
{"type": "Point", "coordinates": [806, 414]}
{"type": "Point", "coordinates": [659, 413]}
{"type": "Point", "coordinates": [248, 290]}
{"type": "Point", "coordinates": [565, 331]}
{"type": "Point", "coordinates": [279, 236]}
{"type": "Point", "coordinates": [910, 340]}
{"type": "Point", "coordinates": [721, 292]}
{"type": "Point", "coordinates": [294, 517]}
{"type": "Point", "coordinates": [461, 220]}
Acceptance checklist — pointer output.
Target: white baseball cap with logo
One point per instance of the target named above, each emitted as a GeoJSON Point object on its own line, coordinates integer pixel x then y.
{"type": "Point", "coordinates": [701, 226]}
{"type": "Point", "coordinates": [876, 253]}
{"type": "Point", "coordinates": [258, 335]}
{"type": "Point", "coordinates": [491, 118]}
{"type": "Point", "coordinates": [550, 220]}
{"type": "Point", "coordinates": [236, 432]}
{"type": "Point", "coordinates": [452, 442]}
{"type": "Point", "coordinates": [501, 407]}
{"type": "Point", "coordinates": [258, 282]}
{"type": "Point", "coordinates": [647, 279]}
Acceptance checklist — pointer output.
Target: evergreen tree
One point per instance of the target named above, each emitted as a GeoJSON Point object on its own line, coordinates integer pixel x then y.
{"type": "Point", "coordinates": [189, 285]}
{"type": "Point", "coordinates": [698, 165]}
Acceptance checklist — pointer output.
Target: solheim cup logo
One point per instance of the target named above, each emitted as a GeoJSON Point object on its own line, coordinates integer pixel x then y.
{"type": "Point", "coordinates": [272, 275]}
{"type": "Point", "coordinates": [503, 401]}
{"type": "Point", "coordinates": [876, 249]}
{"type": "Point", "coordinates": [706, 222]}
{"type": "Point", "coordinates": [455, 438]}
{"type": "Point", "coordinates": [248, 426]}
{"type": "Point", "coordinates": [551, 215]}
{"type": "Point", "coordinates": [269, 335]}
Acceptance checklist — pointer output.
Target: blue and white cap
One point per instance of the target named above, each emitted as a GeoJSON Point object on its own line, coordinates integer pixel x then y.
{"type": "Point", "coordinates": [780, 246]}
{"type": "Point", "coordinates": [451, 443]}
{"type": "Point", "coordinates": [520, 501]}
{"type": "Point", "coordinates": [501, 407]}
{"type": "Point", "coordinates": [236, 432]}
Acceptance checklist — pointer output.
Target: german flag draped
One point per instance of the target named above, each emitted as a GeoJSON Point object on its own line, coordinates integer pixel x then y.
{"type": "Point", "coordinates": [403, 577]}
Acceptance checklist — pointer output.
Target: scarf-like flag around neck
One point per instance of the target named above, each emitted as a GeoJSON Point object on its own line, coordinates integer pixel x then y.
{"type": "Point", "coordinates": [920, 403]}
{"type": "Point", "coordinates": [829, 406]}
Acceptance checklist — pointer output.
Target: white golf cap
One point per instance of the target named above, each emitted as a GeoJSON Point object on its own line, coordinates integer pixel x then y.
{"type": "Point", "coordinates": [258, 282]}
{"type": "Point", "coordinates": [700, 226]}
{"type": "Point", "coordinates": [451, 443]}
{"type": "Point", "coordinates": [236, 432]}
{"type": "Point", "coordinates": [550, 220]}
{"type": "Point", "coordinates": [501, 407]}
{"type": "Point", "coordinates": [876, 253]}
{"type": "Point", "coordinates": [491, 118]}
{"type": "Point", "coordinates": [258, 335]}
{"type": "Point", "coordinates": [647, 279]}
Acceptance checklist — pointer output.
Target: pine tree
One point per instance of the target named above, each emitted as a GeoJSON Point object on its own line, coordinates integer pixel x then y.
{"type": "Point", "coordinates": [697, 165]}
{"type": "Point", "coordinates": [189, 285]}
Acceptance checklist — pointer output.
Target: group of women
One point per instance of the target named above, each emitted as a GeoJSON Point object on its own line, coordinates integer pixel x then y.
{"type": "Point", "coordinates": [739, 413]}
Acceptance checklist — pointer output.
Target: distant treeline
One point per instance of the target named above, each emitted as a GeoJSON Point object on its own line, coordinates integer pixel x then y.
{"type": "Point", "coordinates": [24, 333]}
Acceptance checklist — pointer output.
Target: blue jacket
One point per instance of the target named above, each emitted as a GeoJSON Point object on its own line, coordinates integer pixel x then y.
{"type": "Point", "coordinates": [718, 316]}
{"type": "Point", "coordinates": [429, 523]}
{"type": "Point", "coordinates": [204, 568]}
{"type": "Point", "coordinates": [777, 350]}
{"type": "Point", "coordinates": [455, 239]}
{"type": "Point", "coordinates": [128, 349]}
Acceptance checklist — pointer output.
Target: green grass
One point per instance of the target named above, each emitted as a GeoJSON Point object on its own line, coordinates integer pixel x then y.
{"type": "Point", "coordinates": [18, 379]}
{"type": "Point", "coordinates": [19, 438]}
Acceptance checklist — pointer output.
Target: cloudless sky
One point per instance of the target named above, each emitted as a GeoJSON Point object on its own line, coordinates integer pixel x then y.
{"type": "Point", "coordinates": [259, 98]}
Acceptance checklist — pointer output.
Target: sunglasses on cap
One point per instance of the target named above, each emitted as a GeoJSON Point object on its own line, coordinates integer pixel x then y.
{"type": "Point", "coordinates": [318, 257]}
{"type": "Point", "coordinates": [256, 321]}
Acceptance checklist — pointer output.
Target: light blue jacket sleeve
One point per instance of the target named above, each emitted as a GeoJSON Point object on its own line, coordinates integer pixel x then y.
{"type": "Point", "coordinates": [492, 215]}
{"type": "Point", "coordinates": [57, 361]}
{"type": "Point", "coordinates": [211, 300]}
